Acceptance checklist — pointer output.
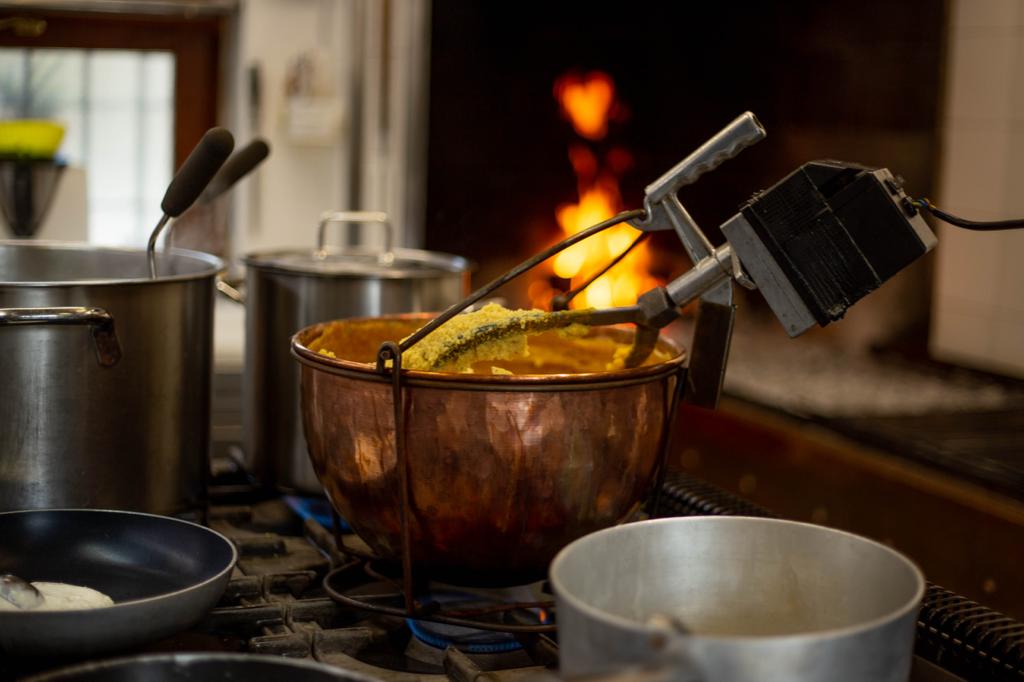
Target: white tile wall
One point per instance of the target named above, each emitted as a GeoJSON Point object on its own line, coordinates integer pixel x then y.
{"type": "Point", "coordinates": [968, 265]}
{"type": "Point", "coordinates": [978, 309]}
{"type": "Point", "coordinates": [974, 162]}
{"type": "Point", "coordinates": [1007, 341]}
{"type": "Point", "coordinates": [962, 333]}
{"type": "Point", "coordinates": [980, 67]}
{"type": "Point", "coordinates": [985, 13]}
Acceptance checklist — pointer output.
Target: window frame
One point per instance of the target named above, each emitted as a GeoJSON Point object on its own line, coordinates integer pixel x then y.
{"type": "Point", "coordinates": [195, 42]}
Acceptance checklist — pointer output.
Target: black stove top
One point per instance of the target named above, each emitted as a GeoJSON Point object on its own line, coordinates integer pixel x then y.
{"type": "Point", "coordinates": [276, 603]}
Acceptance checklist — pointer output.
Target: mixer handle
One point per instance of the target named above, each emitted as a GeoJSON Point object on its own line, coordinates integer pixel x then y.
{"type": "Point", "coordinates": [744, 131]}
{"type": "Point", "coordinates": [661, 206]}
{"type": "Point", "coordinates": [710, 277]}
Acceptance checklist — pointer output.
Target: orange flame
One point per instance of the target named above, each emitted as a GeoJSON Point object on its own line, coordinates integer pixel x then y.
{"type": "Point", "coordinates": [588, 103]}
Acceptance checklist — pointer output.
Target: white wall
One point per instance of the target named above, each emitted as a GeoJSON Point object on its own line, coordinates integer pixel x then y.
{"type": "Point", "coordinates": [377, 53]}
{"type": "Point", "coordinates": [281, 205]}
{"type": "Point", "coordinates": [978, 307]}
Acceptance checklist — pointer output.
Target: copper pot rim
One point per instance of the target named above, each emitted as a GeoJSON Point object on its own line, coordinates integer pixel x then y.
{"type": "Point", "coordinates": [368, 372]}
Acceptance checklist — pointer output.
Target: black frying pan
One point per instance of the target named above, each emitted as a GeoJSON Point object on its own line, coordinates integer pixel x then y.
{"type": "Point", "coordinates": [200, 668]}
{"type": "Point", "coordinates": [162, 573]}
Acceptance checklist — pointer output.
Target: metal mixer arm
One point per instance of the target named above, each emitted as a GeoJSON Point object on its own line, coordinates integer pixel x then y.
{"type": "Point", "coordinates": [815, 243]}
{"type": "Point", "coordinates": [708, 280]}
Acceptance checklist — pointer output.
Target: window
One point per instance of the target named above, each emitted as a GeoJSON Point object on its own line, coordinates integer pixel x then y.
{"type": "Point", "coordinates": [117, 107]}
{"type": "Point", "coordinates": [135, 91]}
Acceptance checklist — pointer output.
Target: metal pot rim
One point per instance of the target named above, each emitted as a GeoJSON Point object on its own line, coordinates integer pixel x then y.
{"type": "Point", "coordinates": [488, 382]}
{"type": "Point", "coordinates": [306, 262]}
{"type": "Point", "coordinates": [131, 603]}
{"type": "Point", "coordinates": [108, 664]}
{"type": "Point", "coordinates": [215, 264]}
{"type": "Point", "coordinates": [834, 633]}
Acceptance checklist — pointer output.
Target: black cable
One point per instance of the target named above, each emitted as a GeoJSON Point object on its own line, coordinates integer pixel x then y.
{"type": "Point", "coordinates": [984, 226]}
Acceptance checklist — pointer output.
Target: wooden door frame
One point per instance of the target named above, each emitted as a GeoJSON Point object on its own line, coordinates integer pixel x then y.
{"type": "Point", "coordinates": [194, 41]}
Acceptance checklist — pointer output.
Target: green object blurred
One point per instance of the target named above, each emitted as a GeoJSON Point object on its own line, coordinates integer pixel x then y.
{"type": "Point", "coordinates": [30, 138]}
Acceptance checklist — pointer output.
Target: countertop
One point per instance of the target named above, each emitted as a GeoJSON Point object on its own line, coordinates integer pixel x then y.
{"type": "Point", "coordinates": [964, 422]}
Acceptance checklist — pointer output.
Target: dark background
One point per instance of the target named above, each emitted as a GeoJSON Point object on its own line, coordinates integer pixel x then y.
{"type": "Point", "coordinates": [828, 79]}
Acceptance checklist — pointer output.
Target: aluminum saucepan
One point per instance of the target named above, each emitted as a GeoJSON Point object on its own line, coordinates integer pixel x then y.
{"type": "Point", "coordinates": [504, 470]}
{"type": "Point", "coordinates": [201, 667]}
{"type": "Point", "coordinates": [163, 574]}
{"type": "Point", "coordinates": [735, 599]}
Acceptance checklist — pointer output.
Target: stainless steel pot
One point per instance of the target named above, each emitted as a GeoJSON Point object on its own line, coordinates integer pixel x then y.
{"type": "Point", "coordinates": [117, 418]}
{"type": "Point", "coordinates": [751, 599]}
{"type": "Point", "coordinates": [291, 289]}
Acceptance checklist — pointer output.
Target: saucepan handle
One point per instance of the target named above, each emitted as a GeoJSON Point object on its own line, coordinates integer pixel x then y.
{"type": "Point", "coordinates": [233, 289]}
{"type": "Point", "coordinates": [108, 350]}
{"type": "Point", "coordinates": [353, 218]}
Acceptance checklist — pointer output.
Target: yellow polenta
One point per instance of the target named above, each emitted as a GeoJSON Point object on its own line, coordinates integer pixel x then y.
{"type": "Point", "coordinates": [570, 350]}
{"type": "Point", "coordinates": [431, 349]}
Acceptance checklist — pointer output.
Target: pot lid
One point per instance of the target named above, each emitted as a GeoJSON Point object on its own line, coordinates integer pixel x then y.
{"type": "Point", "coordinates": [331, 262]}
{"type": "Point", "coordinates": [389, 263]}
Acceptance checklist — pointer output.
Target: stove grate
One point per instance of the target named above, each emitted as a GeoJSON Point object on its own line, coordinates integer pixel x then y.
{"type": "Point", "coordinates": [967, 638]}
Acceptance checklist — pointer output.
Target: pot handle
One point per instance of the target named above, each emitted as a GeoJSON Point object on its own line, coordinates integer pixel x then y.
{"type": "Point", "coordinates": [108, 349]}
{"type": "Point", "coordinates": [667, 657]}
{"type": "Point", "coordinates": [232, 289]}
{"type": "Point", "coordinates": [354, 217]}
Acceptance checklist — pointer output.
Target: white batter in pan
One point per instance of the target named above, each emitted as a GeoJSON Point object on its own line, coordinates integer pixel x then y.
{"type": "Point", "coordinates": [63, 597]}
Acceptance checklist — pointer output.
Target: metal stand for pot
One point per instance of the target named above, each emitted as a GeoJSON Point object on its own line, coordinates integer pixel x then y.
{"type": "Point", "coordinates": [389, 363]}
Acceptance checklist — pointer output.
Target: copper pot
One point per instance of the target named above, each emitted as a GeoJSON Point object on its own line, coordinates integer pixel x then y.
{"type": "Point", "coordinates": [503, 470]}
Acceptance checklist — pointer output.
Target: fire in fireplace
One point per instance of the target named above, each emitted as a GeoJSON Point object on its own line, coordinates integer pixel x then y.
{"type": "Point", "coordinates": [590, 103]}
{"type": "Point", "coordinates": [826, 83]}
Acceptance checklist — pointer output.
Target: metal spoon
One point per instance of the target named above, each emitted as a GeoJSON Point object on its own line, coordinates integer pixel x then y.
{"type": "Point", "coordinates": [19, 592]}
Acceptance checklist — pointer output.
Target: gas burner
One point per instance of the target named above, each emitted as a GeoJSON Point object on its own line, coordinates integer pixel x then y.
{"type": "Point", "coordinates": [277, 604]}
{"type": "Point", "coordinates": [318, 509]}
{"type": "Point", "coordinates": [387, 648]}
{"type": "Point", "coordinates": [441, 636]}
{"type": "Point", "coordinates": [513, 611]}
{"type": "Point", "coordinates": [471, 640]}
